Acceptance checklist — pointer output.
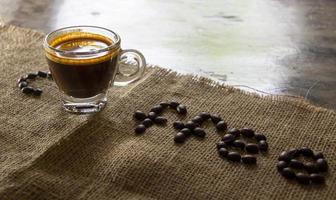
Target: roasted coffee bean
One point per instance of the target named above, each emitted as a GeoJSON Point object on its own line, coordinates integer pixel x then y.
{"type": "Point", "coordinates": [191, 125]}
{"type": "Point", "coordinates": [160, 120]}
{"type": "Point", "coordinates": [318, 155]}
{"type": "Point", "coordinates": [249, 159]}
{"type": "Point", "coordinates": [234, 132]}
{"type": "Point", "coordinates": [152, 115]}
{"type": "Point", "coordinates": [173, 104]}
{"type": "Point", "coordinates": [205, 115]}
{"type": "Point", "coordinates": [147, 122]}
{"type": "Point", "coordinates": [221, 126]}
{"type": "Point", "coordinates": [198, 119]}
{"type": "Point", "coordinates": [251, 148]}
{"type": "Point", "coordinates": [228, 138]}
{"type": "Point", "coordinates": [311, 167]}
{"type": "Point", "coordinates": [288, 173]}
{"type": "Point", "coordinates": [37, 92]}
{"type": "Point", "coordinates": [31, 76]}
{"type": "Point", "coordinates": [140, 129]}
{"type": "Point", "coordinates": [199, 132]}
{"type": "Point", "coordinates": [223, 152]}
{"type": "Point", "coordinates": [295, 164]}
{"type": "Point", "coordinates": [178, 125]}
{"type": "Point", "coordinates": [293, 153]}
{"type": "Point", "coordinates": [164, 104]}
{"type": "Point", "coordinates": [21, 79]}
{"type": "Point", "coordinates": [42, 74]}
{"type": "Point", "coordinates": [302, 178]}
{"type": "Point", "coordinates": [305, 151]}
{"type": "Point", "coordinates": [259, 136]}
{"type": "Point", "coordinates": [181, 109]}
{"type": "Point", "coordinates": [180, 137]}
{"type": "Point", "coordinates": [49, 75]}
{"type": "Point", "coordinates": [247, 132]}
{"type": "Point", "coordinates": [139, 115]}
{"type": "Point", "coordinates": [284, 156]}
{"type": "Point", "coordinates": [27, 90]}
{"type": "Point", "coordinates": [233, 156]}
{"type": "Point", "coordinates": [281, 165]}
{"type": "Point", "coordinates": [157, 109]}
{"type": "Point", "coordinates": [216, 118]}
{"type": "Point", "coordinates": [322, 165]}
{"type": "Point", "coordinates": [221, 144]}
{"type": "Point", "coordinates": [239, 144]}
{"type": "Point", "coordinates": [186, 131]}
{"type": "Point", "coordinates": [317, 178]}
{"type": "Point", "coordinates": [263, 146]}
{"type": "Point", "coordinates": [22, 84]}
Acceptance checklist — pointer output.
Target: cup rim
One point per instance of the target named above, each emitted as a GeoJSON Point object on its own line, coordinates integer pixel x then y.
{"type": "Point", "coordinates": [108, 48]}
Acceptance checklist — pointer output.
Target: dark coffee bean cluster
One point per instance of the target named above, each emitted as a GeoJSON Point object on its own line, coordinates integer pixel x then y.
{"type": "Point", "coordinates": [153, 117]}
{"type": "Point", "coordinates": [231, 139]}
{"type": "Point", "coordinates": [23, 82]}
{"type": "Point", "coordinates": [193, 127]}
{"type": "Point", "coordinates": [288, 165]}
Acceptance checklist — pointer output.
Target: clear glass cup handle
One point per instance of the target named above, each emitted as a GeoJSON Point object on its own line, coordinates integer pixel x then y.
{"type": "Point", "coordinates": [131, 66]}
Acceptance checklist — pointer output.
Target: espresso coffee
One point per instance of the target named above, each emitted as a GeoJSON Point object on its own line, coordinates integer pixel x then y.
{"type": "Point", "coordinates": [79, 74]}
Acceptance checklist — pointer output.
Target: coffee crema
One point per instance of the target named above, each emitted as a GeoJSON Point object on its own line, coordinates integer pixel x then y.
{"type": "Point", "coordinates": [82, 64]}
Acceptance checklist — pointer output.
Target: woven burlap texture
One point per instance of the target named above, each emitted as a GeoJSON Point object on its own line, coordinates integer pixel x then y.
{"type": "Point", "coordinates": [46, 153]}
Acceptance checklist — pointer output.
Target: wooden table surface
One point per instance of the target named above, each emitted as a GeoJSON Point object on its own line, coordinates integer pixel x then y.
{"type": "Point", "coordinates": [275, 46]}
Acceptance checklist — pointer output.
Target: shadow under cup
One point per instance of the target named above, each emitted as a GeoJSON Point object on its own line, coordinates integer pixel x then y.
{"type": "Point", "coordinates": [84, 62]}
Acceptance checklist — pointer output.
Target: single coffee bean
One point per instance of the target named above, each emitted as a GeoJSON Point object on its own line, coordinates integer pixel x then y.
{"type": "Point", "coordinates": [281, 165]}
{"type": "Point", "coordinates": [140, 129]}
{"type": "Point", "coordinates": [221, 126]}
{"type": "Point", "coordinates": [305, 151]}
{"type": "Point", "coordinates": [49, 75]}
{"type": "Point", "coordinates": [284, 156]}
{"type": "Point", "coordinates": [223, 152]}
{"type": "Point", "coordinates": [311, 167]}
{"type": "Point", "coordinates": [152, 115]}
{"type": "Point", "coordinates": [186, 131]}
{"type": "Point", "coordinates": [263, 146]}
{"type": "Point", "coordinates": [21, 79]}
{"type": "Point", "coordinates": [216, 118]}
{"type": "Point", "coordinates": [160, 120]}
{"type": "Point", "coordinates": [239, 144]}
{"type": "Point", "coordinates": [199, 132]}
{"type": "Point", "coordinates": [147, 122]}
{"type": "Point", "coordinates": [322, 165]}
{"type": "Point", "coordinates": [233, 156]}
{"type": "Point", "coordinates": [173, 104]}
{"type": "Point", "coordinates": [178, 125]}
{"type": "Point", "coordinates": [228, 138]}
{"type": "Point", "coordinates": [198, 119]}
{"type": "Point", "coordinates": [164, 104]}
{"type": "Point", "coordinates": [180, 137]}
{"type": "Point", "coordinates": [249, 159]}
{"type": "Point", "coordinates": [191, 125]}
{"type": "Point", "coordinates": [318, 155]}
{"type": "Point", "coordinates": [302, 178]}
{"type": "Point", "coordinates": [27, 90]}
{"type": "Point", "coordinates": [247, 132]}
{"type": "Point", "coordinates": [37, 92]}
{"type": "Point", "coordinates": [293, 152]}
{"type": "Point", "coordinates": [22, 84]}
{"type": "Point", "coordinates": [157, 109]}
{"type": "Point", "coordinates": [181, 109]}
{"type": "Point", "coordinates": [251, 148]}
{"type": "Point", "coordinates": [259, 136]}
{"type": "Point", "coordinates": [234, 132]}
{"type": "Point", "coordinates": [31, 76]}
{"type": "Point", "coordinates": [139, 115]}
{"type": "Point", "coordinates": [205, 115]}
{"type": "Point", "coordinates": [221, 144]}
{"type": "Point", "coordinates": [42, 74]}
{"type": "Point", "coordinates": [317, 178]}
{"type": "Point", "coordinates": [288, 173]}
{"type": "Point", "coordinates": [295, 164]}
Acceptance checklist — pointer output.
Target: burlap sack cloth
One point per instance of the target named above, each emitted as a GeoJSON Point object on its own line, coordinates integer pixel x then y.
{"type": "Point", "coordinates": [46, 153]}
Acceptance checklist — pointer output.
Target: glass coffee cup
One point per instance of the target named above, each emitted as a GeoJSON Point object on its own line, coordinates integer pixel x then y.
{"type": "Point", "coordinates": [85, 61]}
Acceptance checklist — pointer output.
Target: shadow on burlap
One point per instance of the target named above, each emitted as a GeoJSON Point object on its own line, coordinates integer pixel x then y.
{"type": "Point", "coordinates": [46, 153]}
